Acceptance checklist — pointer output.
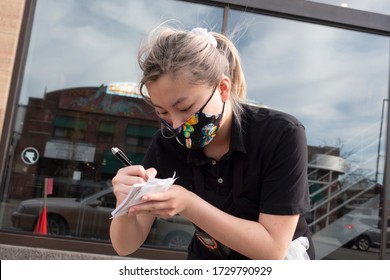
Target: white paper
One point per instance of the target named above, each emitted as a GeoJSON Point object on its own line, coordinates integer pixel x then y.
{"type": "Point", "coordinates": [137, 191]}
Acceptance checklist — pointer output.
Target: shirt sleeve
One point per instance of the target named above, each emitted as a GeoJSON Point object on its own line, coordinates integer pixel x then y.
{"type": "Point", "coordinates": [285, 187]}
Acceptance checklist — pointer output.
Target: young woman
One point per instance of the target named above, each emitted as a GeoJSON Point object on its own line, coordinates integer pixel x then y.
{"type": "Point", "coordinates": [241, 170]}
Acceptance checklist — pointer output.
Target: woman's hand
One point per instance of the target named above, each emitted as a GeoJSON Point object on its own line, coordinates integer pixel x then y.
{"type": "Point", "coordinates": [175, 200]}
{"type": "Point", "coordinates": [128, 176]}
{"type": "Point", "coordinates": [127, 233]}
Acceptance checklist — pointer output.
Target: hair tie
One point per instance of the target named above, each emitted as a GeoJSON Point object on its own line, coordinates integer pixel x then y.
{"type": "Point", "coordinates": [203, 31]}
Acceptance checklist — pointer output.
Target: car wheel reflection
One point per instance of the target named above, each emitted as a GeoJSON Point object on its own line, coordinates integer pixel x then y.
{"type": "Point", "coordinates": [177, 240]}
{"type": "Point", "coordinates": [363, 243]}
{"type": "Point", "coordinates": [363, 231]}
{"type": "Point", "coordinates": [56, 225]}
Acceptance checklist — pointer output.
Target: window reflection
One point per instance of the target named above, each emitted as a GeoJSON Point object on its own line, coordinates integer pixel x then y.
{"type": "Point", "coordinates": [72, 122]}
{"type": "Point", "coordinates": [88, 43]}
{"type": "Point", "coordinates": [80, 201]}
{"type": "Point", "coordinates": [334, 81]}
{"type": "Point", "coordinates": [320, 75]}
{"type": "Point", "coordinates": [376, 6]}
{"type": "Point", "coordinates": [87, 217]}
{"type": "Point", "coordinates": [106, 132]}
{"type": "Point", "coordinates": [70, 127]}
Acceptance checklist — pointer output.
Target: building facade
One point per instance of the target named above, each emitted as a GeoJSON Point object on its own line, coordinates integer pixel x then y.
{"type": "Point", "coordinates": [68, 94]}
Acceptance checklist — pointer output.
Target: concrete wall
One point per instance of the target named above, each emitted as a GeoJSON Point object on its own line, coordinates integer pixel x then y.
{"type": "Point", "coordinates": [11, 12]}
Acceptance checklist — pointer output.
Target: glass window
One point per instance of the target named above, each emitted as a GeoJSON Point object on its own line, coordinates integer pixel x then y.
{"type": "Point", "coordinates": [69, 127]}
{"type": "Point", "coordinates": [139, 135]}
{"type": "Point", "coordinates": [93, 42]}
{"type": "Point", "coordinates": [78, 99]}
{"type": "Point", "coordinates": [376, 6]}
{"type": "Point", "coordinates": [106, 131]}
{"type": "Point", "coordinates": [335, 82]}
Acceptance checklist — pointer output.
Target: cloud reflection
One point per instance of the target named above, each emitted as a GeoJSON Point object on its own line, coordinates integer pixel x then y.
{"type": "Point", "coordinates": [333, 80]}
{"type": "Point", "coordinates": [90, 42]}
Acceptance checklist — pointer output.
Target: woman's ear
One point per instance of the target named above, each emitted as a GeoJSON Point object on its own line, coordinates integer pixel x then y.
{"type": "Point", "coordinates": [224, 87]}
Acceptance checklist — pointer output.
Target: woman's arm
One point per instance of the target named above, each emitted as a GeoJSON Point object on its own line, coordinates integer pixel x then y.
{"type": "Point", "coordinates": [130, 231]}
{"type": "Point", "coordinates": [269, 238]}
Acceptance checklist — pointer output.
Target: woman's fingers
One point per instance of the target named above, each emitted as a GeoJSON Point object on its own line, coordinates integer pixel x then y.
{"type": "Point", "coordinates": [135, 171]}
{"type": "Point", "coordinates": [151, 173]}
{"type": "Point", "coordinates": [128, 176]}
{"type": "Point", "coordinates": [154, 210]}
{"type": "Point", "coordinates": [162, 204]}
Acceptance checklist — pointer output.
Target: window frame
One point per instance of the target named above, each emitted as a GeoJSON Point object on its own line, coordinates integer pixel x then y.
{"type": "Point", "coordinates": [303, 11]}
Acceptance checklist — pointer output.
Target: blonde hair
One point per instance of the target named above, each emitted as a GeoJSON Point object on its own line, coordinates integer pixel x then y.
{"type": "Point", "coordinates": [175, 51]}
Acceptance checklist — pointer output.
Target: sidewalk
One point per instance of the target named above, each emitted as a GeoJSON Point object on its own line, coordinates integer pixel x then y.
{"type": "Point", "coordinates": [10, 252]}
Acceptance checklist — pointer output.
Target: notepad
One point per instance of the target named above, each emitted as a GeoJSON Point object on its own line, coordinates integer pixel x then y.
{"type": "Point", "coordinates": [137, 191]}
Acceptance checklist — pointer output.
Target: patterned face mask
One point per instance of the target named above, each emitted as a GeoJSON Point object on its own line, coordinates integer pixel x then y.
{"type": "Point", "coordinates": [196, 132]}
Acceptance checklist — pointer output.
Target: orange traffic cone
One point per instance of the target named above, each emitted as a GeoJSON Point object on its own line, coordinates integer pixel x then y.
{"type": "Point", "coordinates": [41, 226]}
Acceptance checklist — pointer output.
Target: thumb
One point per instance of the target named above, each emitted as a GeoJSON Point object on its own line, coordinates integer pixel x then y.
{"type": "Point", "coordinates": [150, 173]}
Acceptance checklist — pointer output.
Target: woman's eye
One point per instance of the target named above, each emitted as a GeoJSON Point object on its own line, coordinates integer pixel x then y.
{"type": "Point", "coordinates": [185, 109]}
{"type": "Point", "coordinates": [161, 113]}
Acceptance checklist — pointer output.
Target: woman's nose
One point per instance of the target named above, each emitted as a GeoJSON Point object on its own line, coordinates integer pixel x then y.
{"type": "Point", "coordinates": [176, 123]}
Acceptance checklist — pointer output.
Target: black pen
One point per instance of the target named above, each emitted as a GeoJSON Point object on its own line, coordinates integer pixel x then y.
{"type": "Point", "coordinates": [121, 156]}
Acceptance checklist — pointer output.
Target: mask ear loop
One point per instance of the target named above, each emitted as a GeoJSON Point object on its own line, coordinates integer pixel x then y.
{"type": "Point", "coordinates": [208, 100]}
{"type": "Point", "coordinates": [165, 125]}
{"type": "Point", "coordinates": [223, 108]}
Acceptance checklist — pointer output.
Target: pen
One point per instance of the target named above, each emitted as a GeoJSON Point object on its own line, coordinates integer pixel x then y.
{"type": "Point", "coordinates": [121, 156]}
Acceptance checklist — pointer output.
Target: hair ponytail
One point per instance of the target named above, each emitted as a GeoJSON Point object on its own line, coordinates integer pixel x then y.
{"type": "Point", "coordinates": [235, 72]}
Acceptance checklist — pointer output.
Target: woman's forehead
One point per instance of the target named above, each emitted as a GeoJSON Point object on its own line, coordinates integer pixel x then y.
{"type": "Point", "coordinates": [173, 85]}
{"type": "Point", "coordinates": [167, 92]}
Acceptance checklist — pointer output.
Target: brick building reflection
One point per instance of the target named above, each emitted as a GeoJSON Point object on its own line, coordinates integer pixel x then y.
{"type": "Point", "coordinates": [73, 131]}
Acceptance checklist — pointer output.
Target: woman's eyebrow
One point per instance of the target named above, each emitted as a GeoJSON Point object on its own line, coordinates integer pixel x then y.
{"type": "Point", "coordinates": [177, 101]}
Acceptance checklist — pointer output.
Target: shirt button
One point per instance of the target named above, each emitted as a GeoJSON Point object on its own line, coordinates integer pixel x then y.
{"type": "Point", "coordinates": [220, 180]}
{"type": "Point", "coordinates": [213, 162]}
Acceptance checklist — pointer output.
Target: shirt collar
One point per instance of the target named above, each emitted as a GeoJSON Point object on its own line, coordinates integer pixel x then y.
{"type": "Point", "coordinates": [238, 136]}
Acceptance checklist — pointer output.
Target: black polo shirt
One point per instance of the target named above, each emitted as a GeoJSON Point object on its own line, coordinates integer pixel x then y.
{"type": "Point", "coordinates": [265, 171]}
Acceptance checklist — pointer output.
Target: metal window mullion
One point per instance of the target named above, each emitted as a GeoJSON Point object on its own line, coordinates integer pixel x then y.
{"type": "Point", "coordinates": [386, 182]}
{"type": "Point", "coordinates": [314, 12]}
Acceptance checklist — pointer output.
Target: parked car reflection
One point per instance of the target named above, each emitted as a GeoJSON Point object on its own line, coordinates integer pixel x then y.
{"type": "Point", "coordinates": [363, 231]}
{"type": "Point", "coordinates": [90, 217]}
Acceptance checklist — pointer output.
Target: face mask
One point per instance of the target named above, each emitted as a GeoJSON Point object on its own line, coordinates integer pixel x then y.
{"type": "Point", "coordinates": [198, 131]}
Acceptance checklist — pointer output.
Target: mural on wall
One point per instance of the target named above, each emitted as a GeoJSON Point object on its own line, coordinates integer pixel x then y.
{"type": "Point", "coordinates": [119, 99]}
